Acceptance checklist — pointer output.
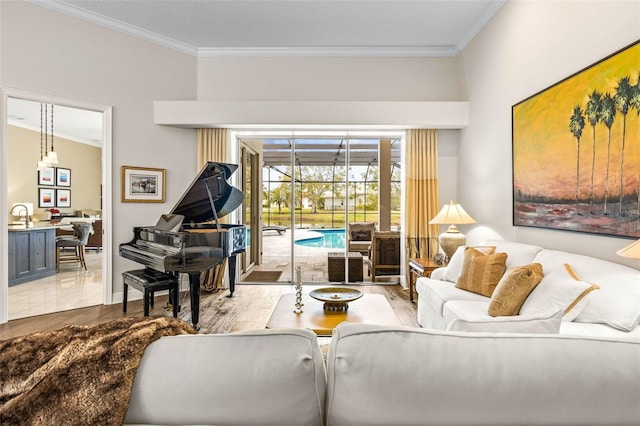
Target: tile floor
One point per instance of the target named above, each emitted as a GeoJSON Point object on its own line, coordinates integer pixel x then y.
{"type": "Point", "coordinates": [72, 287]}
{"type": "Point", "coordinates": [277, 256]}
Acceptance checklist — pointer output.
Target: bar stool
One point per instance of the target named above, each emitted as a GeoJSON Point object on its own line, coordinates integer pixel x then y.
{"type": "Point", "coordinates": [149, 281]}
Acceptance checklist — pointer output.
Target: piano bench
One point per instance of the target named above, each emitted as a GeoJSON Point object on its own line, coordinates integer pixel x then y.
{"type": "Point", "coordinates": [149, 281]}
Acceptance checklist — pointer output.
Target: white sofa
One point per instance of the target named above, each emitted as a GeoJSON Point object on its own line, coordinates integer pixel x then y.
{"type": "Point", "coordinates": [386, 376]}
{"type": "Point", "coordinates": [612, 310]}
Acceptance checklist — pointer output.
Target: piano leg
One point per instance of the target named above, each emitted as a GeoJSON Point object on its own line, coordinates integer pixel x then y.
{"type": "Point", "coordinates": [194, 294]}
{"type": "Point", "coordinates": [232, 275]}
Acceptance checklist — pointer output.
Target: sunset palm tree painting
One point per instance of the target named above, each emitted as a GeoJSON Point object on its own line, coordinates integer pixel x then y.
{"type": "Point", "coordinates": [576, 151]}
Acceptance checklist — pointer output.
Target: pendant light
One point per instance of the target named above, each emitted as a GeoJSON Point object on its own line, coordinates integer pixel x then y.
{"type": "Point", "coordinates": [52, 155]}
{"type": "Point", "coordinates": [43, 163]}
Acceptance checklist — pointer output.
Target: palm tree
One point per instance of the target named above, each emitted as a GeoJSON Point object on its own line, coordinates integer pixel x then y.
{"type": "Point", "coordinates": [593, 111]}
{"type": "Point", "coordinates": [608, 115]}
{"type": "Point", "coordinates": [634, 102]}
{"type": "Point", "coordinates": [576, 124]}
{"type": "Point", "coordinates": [622, 99]}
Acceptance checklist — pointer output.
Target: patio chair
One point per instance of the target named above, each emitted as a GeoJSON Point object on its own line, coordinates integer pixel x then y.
{"type": "Point", "coordinates": [359, 236]}
{"type": "Point", "coordinates": [384, 254]}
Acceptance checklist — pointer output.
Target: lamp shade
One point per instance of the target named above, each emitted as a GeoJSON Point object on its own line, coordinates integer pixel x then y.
{"type": "Point", "coordinates": [452, 214]}
{"type": "Point", "coordinates": [632, 250]}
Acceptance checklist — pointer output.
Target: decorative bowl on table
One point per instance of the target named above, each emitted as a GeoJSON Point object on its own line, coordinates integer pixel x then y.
{"type": "Point", "coordinates": [336, 299]}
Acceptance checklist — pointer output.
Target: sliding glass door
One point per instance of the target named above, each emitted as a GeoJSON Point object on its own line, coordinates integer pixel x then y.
{"type": "Point", "coordinates": [313, 188]}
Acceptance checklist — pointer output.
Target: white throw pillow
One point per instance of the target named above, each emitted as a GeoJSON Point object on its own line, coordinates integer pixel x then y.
{"type": "Point", "coordinates": [454, 267]}
{"type": "Point", "coordinates": [560, 290]}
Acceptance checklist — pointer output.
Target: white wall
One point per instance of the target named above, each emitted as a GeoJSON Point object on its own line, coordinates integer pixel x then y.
{"type": "Point", "coordinates": [526, 47]}
{"type": "Point", "coordinates": [51, 53]}
{"type": "Point", "coordinates": [327, 79]}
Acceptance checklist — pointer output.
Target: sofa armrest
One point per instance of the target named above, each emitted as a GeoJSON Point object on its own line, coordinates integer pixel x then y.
{"type": "Point", "coordinates": [438, 274]}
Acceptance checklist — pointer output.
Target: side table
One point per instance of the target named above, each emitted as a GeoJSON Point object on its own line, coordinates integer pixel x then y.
{"type": "Point", "coordinates": [420, 267]}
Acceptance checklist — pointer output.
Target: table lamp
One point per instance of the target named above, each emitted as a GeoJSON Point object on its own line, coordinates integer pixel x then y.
{"type": "Point", "coordinates": [632, 250]}
{"type": "Point", "coordinates": [452, 214]}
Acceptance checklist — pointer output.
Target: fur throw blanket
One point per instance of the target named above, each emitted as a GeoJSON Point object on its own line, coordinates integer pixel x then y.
{"type": "Point", "coordinates": [76, 375]}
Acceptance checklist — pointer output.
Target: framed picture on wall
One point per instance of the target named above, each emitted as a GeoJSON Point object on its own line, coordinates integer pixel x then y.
{"type": "Point", "coordinates": [143, 185]}
{"type": "Point", "coordinates": [575, 151]}
{"type": "Point", "coordinates": [63, 198]}
{"type": "Point", "coordinates": [47, 176]}
{"type": "Point", "coordinates": [63, 176]}
{"type": "Point", "coordinates": [46, 197]}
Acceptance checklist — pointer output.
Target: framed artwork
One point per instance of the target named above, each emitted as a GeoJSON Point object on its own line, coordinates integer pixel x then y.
{"type": "Point", "coordinates": [46, 197]}
{"type": "Point", "coordinates": [142, 185]}
{"type": "Point", "coordinates": [47, 176]}
{"type": "Point", "coordinates": [63, 176]}
{"type": "Point", "coordinates": [63, 198]}
{"type": "Point", "coordinates": [576, 151]}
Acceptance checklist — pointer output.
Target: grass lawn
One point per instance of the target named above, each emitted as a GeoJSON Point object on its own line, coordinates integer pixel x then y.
{"type": "Point", "coordinates": [322, 218]}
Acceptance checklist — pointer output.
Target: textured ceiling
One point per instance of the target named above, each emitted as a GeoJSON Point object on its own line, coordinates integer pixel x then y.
{"type": "Point", "coordinates": [321, 27]}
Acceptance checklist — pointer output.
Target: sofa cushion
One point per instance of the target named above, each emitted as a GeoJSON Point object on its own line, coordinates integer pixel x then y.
{"type": "Point", "coordinates": [513, 289]}
{"type": "Point", "coordinates": [451, 378]}
{"type": "Point", "coordinates": [518, 253]}
{"type": "Point", "coordinates": [469, 316]}
{"type": "Point", "coordinates": [481, 272]}
{"type": "Point", "coordinates": [437, 293]}
{"type": "Point", "coordinates": [616, 303]}
{"type": "Point", "coordinates": [560, 290]}
{"type": "Point", "coordinates": [259, 377]}
{"type": "Point", "coordinates": [454, 267]}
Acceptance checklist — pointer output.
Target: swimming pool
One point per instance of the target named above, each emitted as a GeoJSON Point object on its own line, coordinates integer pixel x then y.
{"type": "Point", "coordinates": [326, 238]}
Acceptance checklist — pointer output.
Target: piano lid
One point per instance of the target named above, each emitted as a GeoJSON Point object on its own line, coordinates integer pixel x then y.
{"type": "Point", "coordinates": [195, 205]}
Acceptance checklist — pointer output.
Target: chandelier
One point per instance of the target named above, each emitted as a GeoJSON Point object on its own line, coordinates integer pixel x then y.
{"type": "Point", "coordinates": [47, 158]}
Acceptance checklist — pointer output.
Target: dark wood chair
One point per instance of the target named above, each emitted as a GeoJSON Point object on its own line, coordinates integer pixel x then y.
{"type": "Point", "coordinates": [384, 254]}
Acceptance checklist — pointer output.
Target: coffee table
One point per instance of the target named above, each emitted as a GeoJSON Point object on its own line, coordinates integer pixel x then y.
{"type": "Point", "coordinates": [370, 309]}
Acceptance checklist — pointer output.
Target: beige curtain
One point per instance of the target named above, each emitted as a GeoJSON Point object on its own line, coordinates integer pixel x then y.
{"type": "Point", "coordinates": [422, 201]}
{"type": "Point", "coordinates": [213, 145]}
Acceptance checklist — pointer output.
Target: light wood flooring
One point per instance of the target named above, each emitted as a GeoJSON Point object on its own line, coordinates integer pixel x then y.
{"type": "Point", "coordinates": [250, 308]}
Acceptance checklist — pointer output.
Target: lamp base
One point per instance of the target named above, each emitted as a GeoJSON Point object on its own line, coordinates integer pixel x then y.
{"type": "Point", "coordinates": [450, 241]}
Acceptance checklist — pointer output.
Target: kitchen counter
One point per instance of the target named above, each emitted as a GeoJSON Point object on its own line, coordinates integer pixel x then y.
{"type": "Point", "coordinates": [32, 252]}
{"type": "Point", "coordinates": [19, 227]}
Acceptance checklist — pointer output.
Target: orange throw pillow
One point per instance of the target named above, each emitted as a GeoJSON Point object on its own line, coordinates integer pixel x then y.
{"type": "Point", "coordinates": [481, 272]}
{"type": "Point", "coordinates": [514, 288]}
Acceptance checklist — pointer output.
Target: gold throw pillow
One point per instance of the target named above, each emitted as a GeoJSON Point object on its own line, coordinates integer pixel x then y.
{"type": "Point", "coordinates": [514, 288]}
{"type": "Point", "coordinates": [481, 272]}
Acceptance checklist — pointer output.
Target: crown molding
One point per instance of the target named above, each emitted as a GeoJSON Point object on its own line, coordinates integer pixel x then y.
{"type": "Point", "coordinates": [116, 25]}
{"type": "Point", "coordinates": [488, 14]}
{"type": "Point", "coordinates": [347, 51]}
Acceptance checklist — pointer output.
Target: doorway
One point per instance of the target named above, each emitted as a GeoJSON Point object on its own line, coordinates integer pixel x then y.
{"type": "Point", "coordinates": [20, 139]}
{"type": "Point", "coordinates": [313, 187]}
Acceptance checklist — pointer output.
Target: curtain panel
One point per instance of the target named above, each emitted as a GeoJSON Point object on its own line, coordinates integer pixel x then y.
{"type": "Point", "coordinates": [213, 145]}
{"type": "Point", "coordinates": [423, 194]}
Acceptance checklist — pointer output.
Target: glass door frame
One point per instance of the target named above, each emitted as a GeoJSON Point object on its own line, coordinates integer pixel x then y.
{"type": "Point", "coordinates": [240, 135]}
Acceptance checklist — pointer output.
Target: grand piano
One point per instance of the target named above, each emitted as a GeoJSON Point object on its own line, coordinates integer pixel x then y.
{"type": "Point", "coordinates": [191, 238]}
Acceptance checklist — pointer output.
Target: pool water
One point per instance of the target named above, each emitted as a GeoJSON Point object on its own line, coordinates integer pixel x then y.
{"type": "Point", "coordinates": [328, 238]}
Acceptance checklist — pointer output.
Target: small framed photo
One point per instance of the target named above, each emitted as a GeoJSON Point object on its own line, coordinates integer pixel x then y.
{"type": "Point", "coordinates": [63, 177]}
{"type": "Point", "coordinates": [143, 185]}
{"type": "Point", "coordinates": [46, 197]}
{"type": "Point", "coordinates": [47, 176]}
{"type": "Point", "coordinates": [63, 198]}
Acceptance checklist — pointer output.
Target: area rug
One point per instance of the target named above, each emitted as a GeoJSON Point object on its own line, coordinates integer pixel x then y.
{"type": "Point", "coordinates": [76, 375]}
{"type": "Point", "coordinates": [263, 276]}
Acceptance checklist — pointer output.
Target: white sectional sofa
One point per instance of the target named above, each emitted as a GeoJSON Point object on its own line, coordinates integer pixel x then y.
{"type": "Point", "coordinates": [611, 309]}
{"type": "Point", "coordinates": [386, 376]}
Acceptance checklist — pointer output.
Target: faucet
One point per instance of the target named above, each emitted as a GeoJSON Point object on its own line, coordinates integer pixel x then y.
{"type": "Point", "coordinates": [26, 213]}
